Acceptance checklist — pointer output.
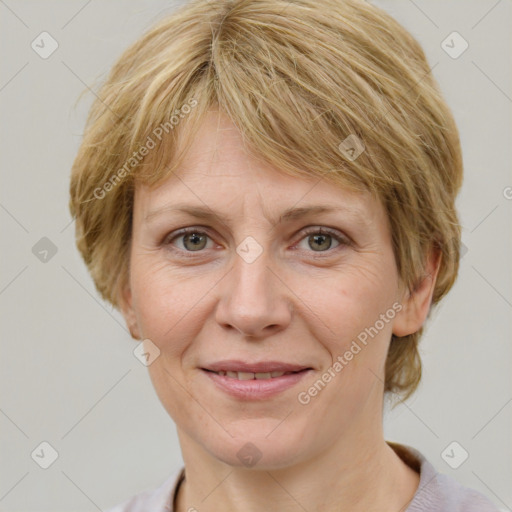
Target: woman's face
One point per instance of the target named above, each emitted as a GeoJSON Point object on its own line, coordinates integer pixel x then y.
{"type": "Point", "coordinates": [257, 283]}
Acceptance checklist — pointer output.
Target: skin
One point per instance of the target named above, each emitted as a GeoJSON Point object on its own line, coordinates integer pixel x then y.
{"type": "Point", "coordinates": [300, 302]}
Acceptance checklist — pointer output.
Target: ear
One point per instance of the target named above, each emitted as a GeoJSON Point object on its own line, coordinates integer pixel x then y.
{"type": "Point", "coordinates": [416, 303]}
{"type": "Point", "coordinates": [126, 306]}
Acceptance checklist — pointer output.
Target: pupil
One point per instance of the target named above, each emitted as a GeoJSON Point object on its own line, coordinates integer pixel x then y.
{"type": "Point", "coordinates": [195, 239]}
{"type": "Point", "coordinates": [318, 238]}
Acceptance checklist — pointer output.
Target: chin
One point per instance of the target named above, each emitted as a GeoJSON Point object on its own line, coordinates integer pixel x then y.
{"type": "Point", "coordinates": [260, 446]}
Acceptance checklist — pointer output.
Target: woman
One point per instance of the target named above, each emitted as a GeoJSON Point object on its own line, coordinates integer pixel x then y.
{"type": "Point", "coordinates": [266, 190]}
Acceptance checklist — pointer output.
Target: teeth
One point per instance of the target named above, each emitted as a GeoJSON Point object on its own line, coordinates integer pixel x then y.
{"type": "Point", "coordinates": [250, 375]}
{"type": "Point", "coordinates": [262, 375]}
{"type": "Point", "coordinates": [245, 376]}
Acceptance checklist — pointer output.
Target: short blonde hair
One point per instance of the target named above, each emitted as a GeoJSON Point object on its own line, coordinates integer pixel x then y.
{"type": "Point", "coordinates": [296, 78]}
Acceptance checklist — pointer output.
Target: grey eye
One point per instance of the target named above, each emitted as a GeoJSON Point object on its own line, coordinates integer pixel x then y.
{"type": "Point", "coordinates": [194, 241]}
{"type": "Point", "coordinates": [320, 241]}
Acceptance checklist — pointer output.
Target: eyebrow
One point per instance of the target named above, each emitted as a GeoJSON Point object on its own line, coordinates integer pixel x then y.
{"type": "Point", "coordinates": [289, 214]}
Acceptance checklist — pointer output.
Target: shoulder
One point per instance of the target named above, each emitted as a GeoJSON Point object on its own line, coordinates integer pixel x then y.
{"type": "Point", "coordinates": [460, 498]}
{"type": "Point", "coordinates": [156, 500]}
{"type": "Point", "coordinates": [437, 491]}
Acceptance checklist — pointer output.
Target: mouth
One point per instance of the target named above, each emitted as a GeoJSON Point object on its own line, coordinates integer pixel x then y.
{"type": "Point", "coordinates": [258, 381]}
{"type": "Point", "coordinates": [253, 375]}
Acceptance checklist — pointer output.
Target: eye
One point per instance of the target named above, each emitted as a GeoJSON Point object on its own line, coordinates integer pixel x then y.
{"type": "Point", "coordinates": [195, 240]}
{"type": "Point", "coordinates": [192, 239]}
{"type": "Point", "coordinates": [320, 239]}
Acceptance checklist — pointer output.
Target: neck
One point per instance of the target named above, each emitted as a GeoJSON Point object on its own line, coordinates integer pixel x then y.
{"type": "Point", "coordinates": [361, 476]}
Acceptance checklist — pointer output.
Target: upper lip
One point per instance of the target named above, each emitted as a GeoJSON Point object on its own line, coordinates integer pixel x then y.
{"type": "Point", "coordinates": [233, 365]}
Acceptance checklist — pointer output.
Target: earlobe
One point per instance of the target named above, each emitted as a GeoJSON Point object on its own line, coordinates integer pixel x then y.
{"type": "Point", "coordinates": [126, 306]}
{"type": "Point", "coordinates": [416, 303]}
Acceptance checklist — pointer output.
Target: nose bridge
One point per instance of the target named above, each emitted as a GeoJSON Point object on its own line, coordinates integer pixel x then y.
{"type": "Point", "coordinates": [254, 301]}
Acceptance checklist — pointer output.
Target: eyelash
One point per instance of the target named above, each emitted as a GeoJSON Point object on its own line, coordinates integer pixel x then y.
{"type": "Point", "coordinates": [342, 240]}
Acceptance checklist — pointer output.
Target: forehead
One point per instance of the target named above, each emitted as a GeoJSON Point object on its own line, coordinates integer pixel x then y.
{"type": "Point", "coordinates": [219, 172]}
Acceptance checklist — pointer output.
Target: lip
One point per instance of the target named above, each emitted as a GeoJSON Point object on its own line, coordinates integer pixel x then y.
{"type": "Point", "coordinates": [235, 365]}
{"type": "Point", "coordinates": [255, 389]}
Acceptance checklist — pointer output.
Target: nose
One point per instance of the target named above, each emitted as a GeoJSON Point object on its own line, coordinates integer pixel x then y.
{"type": "Point", "coordinates": [254, 299]}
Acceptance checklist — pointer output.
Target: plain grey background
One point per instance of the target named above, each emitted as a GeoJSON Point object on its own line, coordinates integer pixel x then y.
{"type": "Point", "coordinates": [68, 374]}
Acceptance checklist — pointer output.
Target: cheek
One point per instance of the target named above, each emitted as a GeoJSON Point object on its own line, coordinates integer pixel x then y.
{"type": "Point", "coordinates": [166, 304]}
{"type": "Point", "coordinates": [348, 300]}
{"type": "Point", "coordinates": [167, 310]}
{"type": "Point", "coordinates": [347, 311]}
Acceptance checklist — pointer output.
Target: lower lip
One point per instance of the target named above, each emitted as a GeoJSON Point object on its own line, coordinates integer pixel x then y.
{"type": "Point", "coordinates": [256, 389]}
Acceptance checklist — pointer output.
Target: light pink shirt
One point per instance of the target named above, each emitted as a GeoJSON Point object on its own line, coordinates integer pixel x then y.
{"type": "Point", "coordinates": [436, 492]}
